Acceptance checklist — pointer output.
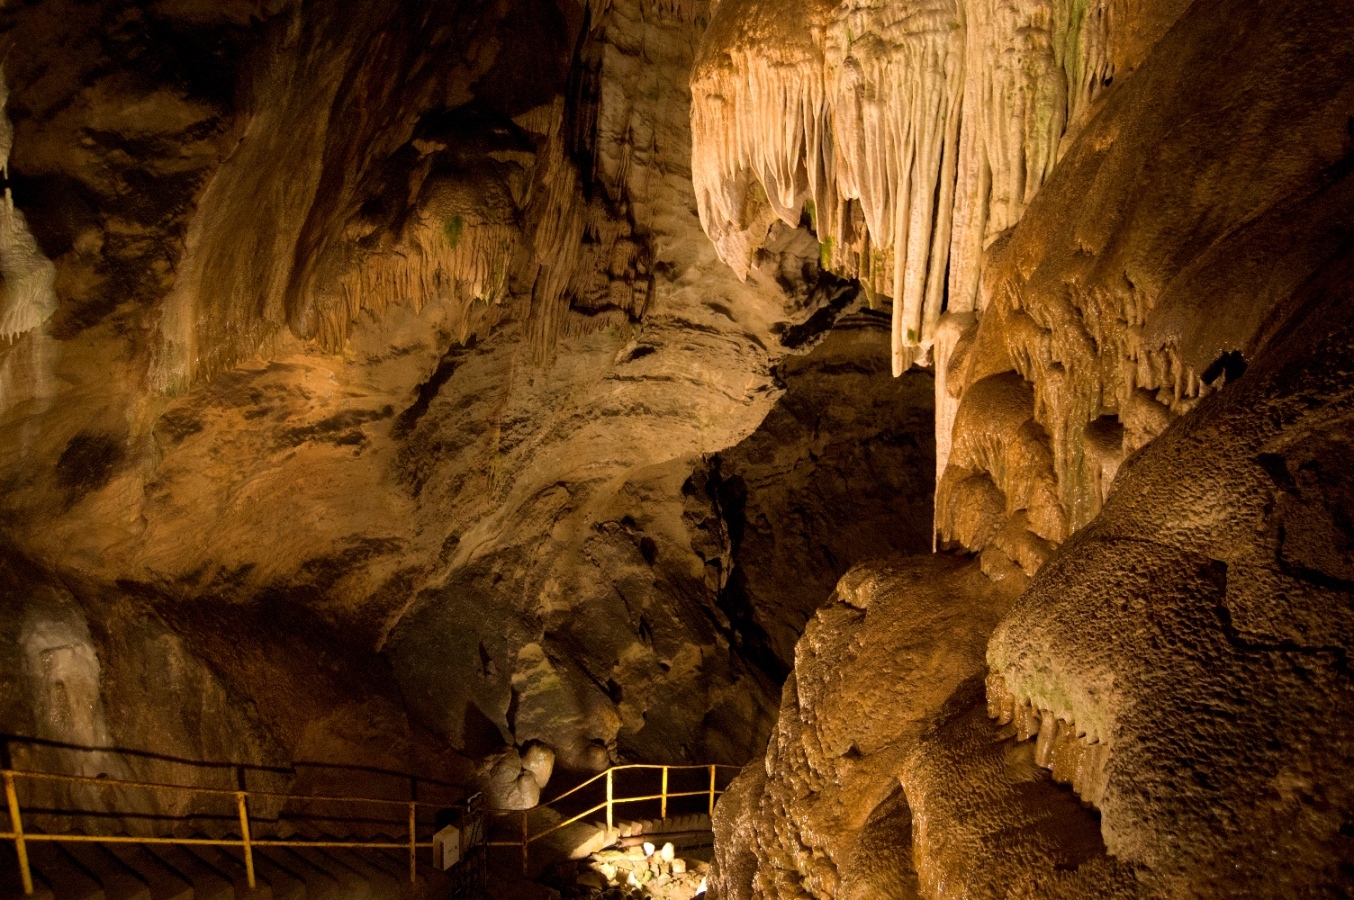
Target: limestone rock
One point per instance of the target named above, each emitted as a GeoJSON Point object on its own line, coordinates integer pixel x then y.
{"type": "Point", "coordinates": [539, 760]}
{"type": "Point", "coordinates": [506, 784]}
{"type": "Point", "coordinates": [872, 667]}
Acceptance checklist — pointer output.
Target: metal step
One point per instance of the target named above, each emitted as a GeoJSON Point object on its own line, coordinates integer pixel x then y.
{"type": "Point", "coordinates": [233, 870]}
{"type": "Point", "coordinates": [285, 884]}
{"type": "Point", "coordinates": [320, 884]}
{"type": "Point", "coordinates": [119, 882]}
{"type": "Point", "coordinates": [348, 884]}
{"type": "Point", "coordinates": [11, 884]}
{"type": "Point", "coordinates": [381, 884]}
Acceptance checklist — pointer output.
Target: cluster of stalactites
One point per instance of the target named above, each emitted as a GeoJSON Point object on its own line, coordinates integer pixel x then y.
{"type": "Point", "coordinates": [1076, 757]}
{"type": "Point", "coordinates": [463, 263]}
{"type": "Point", "coordinates": [27, 296]}
{"type": "Point", "coordinates": [912, 131]}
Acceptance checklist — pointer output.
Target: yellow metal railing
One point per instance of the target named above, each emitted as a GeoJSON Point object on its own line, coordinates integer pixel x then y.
{"type": "Point", "coordinates": [247, 843]}
{"type": "Point", "coordinates": [712, 792]}
{"type": "Point", "coordinates": [241, 798]}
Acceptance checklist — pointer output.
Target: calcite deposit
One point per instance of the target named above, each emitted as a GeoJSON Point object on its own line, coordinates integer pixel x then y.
{"type": "Point", "coordinates": [940, 408]}
{"type": "Point", "coordinates": [915, 132]}
{"type": "Point", "coordinates": [365, 374]}
{"type": "Point", "coordinates": [1142, 417]}
{"type": "Point", "coordinates": [874, 666]}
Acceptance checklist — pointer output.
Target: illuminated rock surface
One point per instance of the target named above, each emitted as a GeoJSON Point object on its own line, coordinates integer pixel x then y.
{"type": "Point", "coordinates": [385, 390]}
{"type": "Point", "coordinates": [943, 404]}
{"type": "Point", "coordinates": [1150, 397]}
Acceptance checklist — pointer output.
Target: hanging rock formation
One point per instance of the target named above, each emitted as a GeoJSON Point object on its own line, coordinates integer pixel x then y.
{"type": "Point", "coordinates": [913, 133]}
{"type": "Point", "coordinates": [1143, 404]}
{"type": "Point", "coordinates": [378, 389]}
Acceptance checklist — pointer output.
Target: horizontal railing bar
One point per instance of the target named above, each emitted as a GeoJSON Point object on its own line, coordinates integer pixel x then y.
{"type": "Point", "coordinates": [213, 842]}
{"type": "Point", "coordinates": [577, 788]}
{"type": "Point", "coordinates": [219, 792]}
{"type": "Point", "coordinates": [671, 768]}
{"type": "Point", "coordinates": [320, 798]}
{"type": "Point", "coordinates": [660, 796]}
{"type": "Point", "coordinates": [284, 818]}
{"type": "Point", "coordinates": [560, 825]}
{"type": "Point", "coordinates": [383, 845]}
{"type": "Point", "coordinates": [602, 774]}
{"type": "Point", "coordinates": [602, 806]}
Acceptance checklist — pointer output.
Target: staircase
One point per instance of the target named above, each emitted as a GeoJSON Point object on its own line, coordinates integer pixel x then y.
{"type": "Point", "coordinates": [304, 863]}
{"type": "Point", "coordinates": [125, 871]}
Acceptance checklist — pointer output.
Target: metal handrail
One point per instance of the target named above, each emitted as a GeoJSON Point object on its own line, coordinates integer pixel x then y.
{"type": "Point", "coordinates": [609, 804]}
{"type": "Point", "coordinates": [246, 841]}
{"type": "Point", "coordinates": [194, 789]}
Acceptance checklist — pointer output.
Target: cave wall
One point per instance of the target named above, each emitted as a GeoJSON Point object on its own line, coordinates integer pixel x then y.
{"type": "Point", "coordinates": [1148, 389]}
{"type": "Point", "coordinates": [384, 374]}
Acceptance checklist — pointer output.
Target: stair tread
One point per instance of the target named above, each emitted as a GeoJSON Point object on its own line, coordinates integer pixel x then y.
{"type": "Point", "coordinates": [118, 882]}
{"type": "Point", "coordinates": [348, 884]}
{"type": "Point", "coordinates": [208, 884]}
{"type": "Point", "coordinates": [11, 884]}
{"type": "Point", "coordinates": [284, 884]}
{"type": "Point", "coordinates": [163, 882]}
{"type": "Point", "coordinates": [319, 883]}
{"type": "Point", "coordinates": [60, 872]}
{"type": "Point", "coordinates": [233, 869]}
{"type": "Point", "coordinates": [380, 883]}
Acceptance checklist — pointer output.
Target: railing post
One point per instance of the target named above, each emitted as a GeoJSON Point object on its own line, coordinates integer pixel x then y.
{"type": "Point", "coordinates": [608, 799]}
{"type": "Point", "coordinates": [664, 814]}
{"type": "Point", "coordinates": [17, 826]}
{"type": "Point", "coordinates": [712, 790]}
{"type": "Point", "coordinates": [413, 809]}
{"type": "Point", "coordinates": [243, 807]}
{"type": "Point", "coordinates": [526, 841]}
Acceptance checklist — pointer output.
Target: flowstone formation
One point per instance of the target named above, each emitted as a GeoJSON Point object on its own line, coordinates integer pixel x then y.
{"type": "Point", "coordinates": [1144, 419]}
{"type": "Point", "coordinates": [380, 390]}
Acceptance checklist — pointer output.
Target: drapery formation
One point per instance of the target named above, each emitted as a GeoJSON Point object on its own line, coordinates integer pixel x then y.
{"type": "Point", "coordinates": [912, 132]}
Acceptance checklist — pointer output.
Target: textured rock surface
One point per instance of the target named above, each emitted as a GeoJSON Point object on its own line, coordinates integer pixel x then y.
{"type": "Point", "coordinates": [874, 666]}
{"type": "Point", "coordinates": [387, 373]}
{"type": "Point", "coordinates": [1146, 415]}
{"type": "Point", "coordinates": [915, 132]}
{"type": "Point", "coordinates": [336, 480]}
{"type": "Point", "coordinates": [1222, 606]}
{"type": "Point", "coordinates": [1150, 269]}
{"type": "Point", "coordinates": [837, 473]}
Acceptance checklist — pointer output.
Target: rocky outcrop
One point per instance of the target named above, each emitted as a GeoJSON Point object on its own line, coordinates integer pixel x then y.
{"type": "Point", "coordinates": [837, 473]}
{"type": "Point", "coordinates": [385, 302]}
{"type": "Point", "coordinates": [1146, 402]}
{"type": "Point", "coordinates": [388, 369]}
{"type": "Point", "coordinates": [1131, 289]}
{"type": "Point", "coordinates": [821, 816]}
{"type": "Point", "coordinates": [1223, 605]}
{"type": "Point", "coordinates": [914, 133]}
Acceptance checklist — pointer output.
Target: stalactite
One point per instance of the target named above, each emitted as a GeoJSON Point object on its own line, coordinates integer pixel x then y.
{"type": "Point", "coordinates": [461, 261]}
{"type": "Point", "coordinates": [940, 119]}
{"type": "Point", "coordinates": [27, 298]}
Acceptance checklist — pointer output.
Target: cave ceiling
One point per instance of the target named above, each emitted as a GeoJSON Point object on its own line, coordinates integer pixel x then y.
{"type": "Point", "coordinates": [939, 407]}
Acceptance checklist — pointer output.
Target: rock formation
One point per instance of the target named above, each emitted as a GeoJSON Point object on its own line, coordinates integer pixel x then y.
{"type": "Point", "coordinates": [1148, 389]}
{"type": "Point", "coordinates": [365, 376]}
{"type": "Point", "coordinates": [943, 404]}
